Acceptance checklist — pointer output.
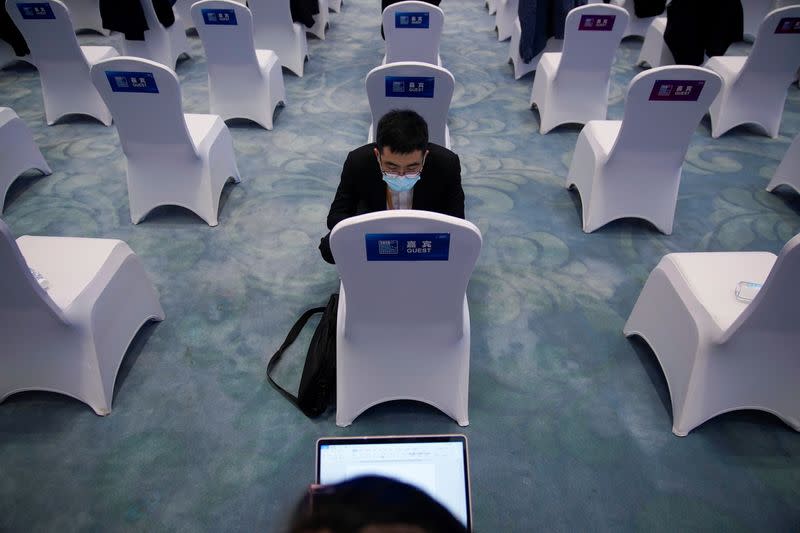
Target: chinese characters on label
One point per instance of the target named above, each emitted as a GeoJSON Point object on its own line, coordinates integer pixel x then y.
{"type": "Point", "coordinates": [409, 87]}
{"type": "Point", "coordinates": [412, 20]}
{"type": "Point", "coordinates": [132, 82]}
{"type": "Point", "coordinates": [596, 22]}
{"type": "Point", "coordinates": [677, 90]}
{"type": "Point", "coordinates": [219, 17]}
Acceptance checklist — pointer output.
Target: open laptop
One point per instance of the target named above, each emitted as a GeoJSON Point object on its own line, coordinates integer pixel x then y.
{"type": "Point", "coordinates": [436, 464]}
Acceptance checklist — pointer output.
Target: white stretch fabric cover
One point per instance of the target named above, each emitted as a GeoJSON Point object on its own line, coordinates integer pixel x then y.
{"type": "Point", "coordinates": [172, 158]}
{"type": "Point", "coordinates": [637, 27]}
{"type": "Point", "coordinates": [522, 68]}
{"type": "Point", "coordinates": [755, 86]}
{"type": "Point", "coordinates": [655, 52]}
{"type": "Point", "coordinates": [71, 338]}
{"type": "Point", "coordinates": [242, 82]}
{"type": "Point", "coordinates": [321, 21]}
{"type": "Point", "coordinates": [85, 15]}
{"type": "Point", "coordinates": [632, 167]}
{"type": "Point", "coordinates": [63, 65]}
{"type": "Point", "coordinates": [572, 86]}
{"type": "Point", "coordinates": [433, 110]}
{"type": "Point", "coordinates": [183, 8]}
{"type": "Point", "coordinates": [720, 354]}
{"type": "Point", "coordinates": [163, 45]}
{"type": "Point", "coordinates": [335, 5]}
{"type": "Point", "coordinates": [403, 329]}
{"type": "Point", "coordinates": [788, 172]}
{"type": "Point", "coordinates": [274, 30]}
{"type": "Point", "coordinates": [413, 44]}
{"type": "Point", "coordinates": [491, 6]}
{"type": "Point", "coordinates": [18, 151]}
{"type": "Point", "coordinates": [753, 12]}
{"type": "Point", "coordinates": [505, 17]}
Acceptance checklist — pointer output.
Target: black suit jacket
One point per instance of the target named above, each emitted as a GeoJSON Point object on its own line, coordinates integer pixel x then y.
{"type": "Point", "coordinates": [362, 189]}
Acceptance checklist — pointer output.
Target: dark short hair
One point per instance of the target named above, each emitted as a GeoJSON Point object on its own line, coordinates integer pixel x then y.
{"type": "Point", "coordinates": [372, 501]}
{"type": "Point", "coordinates": [403, 131]}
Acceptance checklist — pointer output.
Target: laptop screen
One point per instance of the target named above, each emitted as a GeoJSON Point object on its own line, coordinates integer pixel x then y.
{"type": "Point", "coordinates": [436, 464]}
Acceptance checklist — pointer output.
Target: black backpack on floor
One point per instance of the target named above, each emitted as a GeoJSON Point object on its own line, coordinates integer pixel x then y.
{"type": "Point", "coordinates": [318, 383]}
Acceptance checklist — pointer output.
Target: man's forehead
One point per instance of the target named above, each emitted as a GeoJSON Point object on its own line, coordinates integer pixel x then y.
{"type": "Point", "coordinates": [387, 153]}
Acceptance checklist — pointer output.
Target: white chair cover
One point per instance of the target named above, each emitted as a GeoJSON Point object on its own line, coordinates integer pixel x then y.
{"type": "Point", "coordinates": [160, 44]}
{"type": "Point", "coordinates": [788, 172]}
{"type": "Point", "coordinates": [385, 94]}
{"type": "Point", "coordinates": [18, 151]}
{"type": "Point", "coordinates": [407, 41]}
{"type": "Point", "coordinates": [505, 17]}
{"type": "Point", "coordinates": [754, 87]}
{"type": "Point", "coordinates": [572, 86]}
{"type": "Point", "coordinates": [70, 338]}
{"type": "Point", "coordinates": [63, 65]}
{"type": "Point", "coordinates": [242, 82]}
{"type": "Point", "coordinates": [403, 329]}
{"type": "Point", "coordinates": [522, 68]}
{"type": "Point", "coordinates": [85, 15]}
{"type": "Point", "coordinates": [632, 168]}
{"type": "Point", "coordinates": [655, 52]}
{"type": "Point", "coordinates": [172, 158]}
{"type": "Point", "coordinates": [274, 30]}
{"type": "Point", "coordinates": [321, 21]}
{"type": "Point", "coordinates": [718, 353]}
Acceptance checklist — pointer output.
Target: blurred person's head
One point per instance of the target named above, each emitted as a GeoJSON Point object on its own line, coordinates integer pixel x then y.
{"type": "Point", "coordinates": [372, 504]}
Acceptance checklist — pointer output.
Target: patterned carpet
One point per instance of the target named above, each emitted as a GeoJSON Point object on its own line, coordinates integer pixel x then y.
{"type": "Point", "coordinates": [570, 422]}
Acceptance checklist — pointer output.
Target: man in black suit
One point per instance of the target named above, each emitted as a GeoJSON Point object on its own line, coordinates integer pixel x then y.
{"type": "Point", "coordinates": [401, 170]}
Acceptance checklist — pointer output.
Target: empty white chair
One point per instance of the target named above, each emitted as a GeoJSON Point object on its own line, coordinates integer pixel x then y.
{"type": "Point", "coordinates": [720, 353]}
{"type": "Point", "coordinates": [172, 158]}
{"type": "Point", "coordinates": [505, 17]}
{"type": "Point", "coordinates": [71, 337]}
{"type": "Point", "coordinates": [85, 15]}
{"type": "Point", "coordinates": [753, 12]}
{"type": "Point", "coordinates": [572, 86]}
{"type": "Point", "coordinates": [522, 68]}
{"type": "Point", "coordinates": [491, 6]}
{"type": "Point", "coordinates": [788, 172]}
{"type": "Point", "coordinates": [18, 151]}
{"type": "Point", "coordinates": [425, 88]}
{"type": "Point", "coordinates": [655, 52]}
{"type": "Point", "coordinates": [164, 45]}
{"type": "Point", "coordinates": [637, 26]}
{"type": "Point", "coordinates": [321, 21]}
{"type": "Point", "coordinates": [413, 31]}
{"type": "Point", "coordinates": [754, 87]}
{"type": "Point", "coordinates": [63, 65]}
{"type": "Point", "coordinates": [273, 29]}
{"type": "Point", "coordinates": [242, 82]}
{"type": "Point", "coordinates": [403, 328]}
{"type": "Point", "coordinates": [632, 167]}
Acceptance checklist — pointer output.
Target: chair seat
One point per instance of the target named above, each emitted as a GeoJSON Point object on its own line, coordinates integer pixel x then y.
{"type": "Point", "coordinates": [266, 58]}
{"type": "Point", "coordinates": [80, 259]}
{"type": "Point", "coordinates": [202, 127]}
{"type": "Point", "coordinates": [712, 278]}
{"type": "Point", "coordinates": [93, 54]}
{"type": "Point", "coordinates": [726, 66]}
{"type": "Point", "coordinates": [602, 134]}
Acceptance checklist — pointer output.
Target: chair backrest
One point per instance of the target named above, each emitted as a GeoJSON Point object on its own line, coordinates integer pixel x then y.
{"type": "Point", "coordinates": [144, 98]}
{"type": "Point", "coordinates": [592, 34]}
{"type": "Point", "coordinates": [150, 14]}
{"type": "Point", "coordinates": [226, 29]}
{"type": "Point", "coordinates": [271, 17]}
{"type": "Point", "coordinates": [48, 31]}
{"type": "Point", "coordinates": [413, 31]}
{"type": "Point", "coordinates": [425, 88]}
{"type": "Point", "coordinates": [663, 107]}
{"type": "Point", "coordinates": [20, 294]}
{"type": "Point", "coordinates": [405, 271]}
{"type": "Point", "coordinates": [774, 59]}
{"type": "Point", "coordinates": [776, 307]}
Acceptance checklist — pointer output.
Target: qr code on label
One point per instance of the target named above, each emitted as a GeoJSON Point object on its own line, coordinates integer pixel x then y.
{"type": "Point", "coordinates": [388, 247]}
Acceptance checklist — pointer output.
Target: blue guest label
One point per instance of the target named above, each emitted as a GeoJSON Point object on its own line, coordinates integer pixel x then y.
{"type": "Point", "coordinates": [409, 87]}
{"type": "Point", "coordinates": [419, 20]}
{"type": "Point", "coordinates": [36, 11]}
{"type": "Point", "coordinates": [131, 82]}
{"type": "Point", "coordinates": [407, 246]}
{"type": "Point", "coordinates": [677, 90]}
{"type": "Point", "coordinates": [219, 17]}
{"type": "Point", "coordinates": [788, 25]}
{"type": "Point", "coordinates": [596, 22]}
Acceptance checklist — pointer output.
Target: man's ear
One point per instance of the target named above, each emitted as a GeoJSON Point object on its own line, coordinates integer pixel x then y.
{"type": "Point", "coordinates": [377, 153]}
